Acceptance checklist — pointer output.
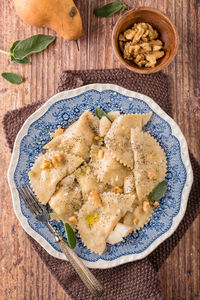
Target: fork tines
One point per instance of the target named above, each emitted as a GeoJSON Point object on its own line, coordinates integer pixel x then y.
{"type": "Point", "coordinates": [30, 199]}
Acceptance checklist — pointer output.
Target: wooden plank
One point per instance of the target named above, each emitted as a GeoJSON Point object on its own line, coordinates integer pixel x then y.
{"type": "Point", "coordinates": [23, 275]}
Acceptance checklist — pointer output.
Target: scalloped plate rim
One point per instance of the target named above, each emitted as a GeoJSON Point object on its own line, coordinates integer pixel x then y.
{"type": "Point", "coordinates": [101, 264]}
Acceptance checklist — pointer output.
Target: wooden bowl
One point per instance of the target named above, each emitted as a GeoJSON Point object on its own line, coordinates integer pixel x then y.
{"type": "Point", "coordinates": [159, 21]}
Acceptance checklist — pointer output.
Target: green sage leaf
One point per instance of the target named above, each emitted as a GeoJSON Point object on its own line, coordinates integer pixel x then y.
{"type": "Point", "coordinates": [13, 46]}
{"type": "Point", "coordinates": [110, 9]}
{"type": "Point", "coordinates": [33, 44]}
{"type": "Point", "coordinates": [71, 237]}
{"type": "Point", "coordinates": [20, 61]}
{"type": "Point", "coordinates": [100, 113]}
{"type": "Point", "coordinates": [12, 77]}
{"type": "Point", "coordinates": [159, 191]}
{"type": "Point", "coordinates": [12, 58]}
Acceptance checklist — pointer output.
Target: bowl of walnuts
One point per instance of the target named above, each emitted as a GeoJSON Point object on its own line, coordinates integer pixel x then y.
{"type": "Point", "coordinates": [145, 40]}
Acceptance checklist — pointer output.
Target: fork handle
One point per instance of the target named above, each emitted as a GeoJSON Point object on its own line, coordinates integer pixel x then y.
{"type": "Point", "coordinates": [84, 273]}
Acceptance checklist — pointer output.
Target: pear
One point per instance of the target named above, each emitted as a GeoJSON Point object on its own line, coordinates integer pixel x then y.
{"type": "Point", "coordinates": [59, 15]}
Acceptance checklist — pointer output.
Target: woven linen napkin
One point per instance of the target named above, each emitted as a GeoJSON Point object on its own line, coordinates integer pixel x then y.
{"type": "Point", "coordinates": [137, 280]}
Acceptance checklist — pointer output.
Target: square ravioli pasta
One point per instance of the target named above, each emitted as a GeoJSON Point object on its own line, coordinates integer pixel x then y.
{"type": "Point", "coordinates": [150, 162]}
{"type": "Point", "coordinates": [77, 138]}
{"type": "Point", "coordinates": [107, 169]}
{"type": "Point", "coordinates": [48, 170]}
{"type": "Point", "coordinates": [67, 200]}
{"type": "Point", "coordinates": [95, 222]}
{"type": "Point", "coordinates": [118, 139]}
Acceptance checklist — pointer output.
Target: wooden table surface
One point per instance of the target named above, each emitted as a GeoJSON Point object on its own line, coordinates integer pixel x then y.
{"type": "Point", "coordinates": [23, 275]}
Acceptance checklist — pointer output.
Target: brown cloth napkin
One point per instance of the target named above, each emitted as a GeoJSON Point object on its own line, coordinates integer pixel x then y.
{"type": "Point", "coordinates": [132, 281]}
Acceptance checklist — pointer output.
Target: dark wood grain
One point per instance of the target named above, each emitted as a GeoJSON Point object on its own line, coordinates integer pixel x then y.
{"type": "Point", "coordinates": [23, 275]}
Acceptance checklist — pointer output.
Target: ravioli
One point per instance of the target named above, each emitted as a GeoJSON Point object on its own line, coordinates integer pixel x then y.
{"type": "Point", "coordinates": [96, 222]}
{"type": "Point", "coordinates": [106, 168]}
{"type": "Point", "coordinates": [96, 174]}
{"type": "Point", "coordinates": [138, 218]}
{"type": "Point", "coordinates": [88, 181]}
{"type": "Point", "coordinates": [150, 162]}
{"type": "Point", "coordinates": [104, 126]}
{"type": "Point", "coordinates": [117, 139]}
{"type": "Point", "coordinates": [77, 138]}
{"type": "Point", "coordinates": [67, 199]}
{"type": "Point", "coordinates": [48, 170]}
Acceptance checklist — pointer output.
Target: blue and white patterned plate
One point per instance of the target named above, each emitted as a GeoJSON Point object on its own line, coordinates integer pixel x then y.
{"type": "Point", "coordinates": [65, 108]}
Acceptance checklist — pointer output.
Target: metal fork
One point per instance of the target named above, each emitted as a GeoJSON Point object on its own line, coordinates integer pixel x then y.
{"type": "Point", "coordinates": [41, 214]}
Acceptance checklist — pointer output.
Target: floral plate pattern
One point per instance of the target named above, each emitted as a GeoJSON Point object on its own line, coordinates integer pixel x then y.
{"type": "Point", "coordinates": [65, 108]}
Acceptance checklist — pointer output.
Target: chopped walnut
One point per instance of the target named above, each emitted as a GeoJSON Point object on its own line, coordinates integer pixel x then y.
{"type": "Point", "coordinates": [57, 158]}
{"type": "Point", "coordinates": [97, 138]}
{"type": "Point", "coordinates": [151, 58]}
{"type": "Point", "coordinates": [128, 51]}
{"type": "Point", "coordinates": [155, 42]}
{"type": "Point", "coordinates": [47, 164]}
{"type": "Point", "coordinates": [145, 39]}
{"type": "Point", "coordinates": [159, 54]}
{"type": "Point", "coordinates": [145, 35]}
{"type": "Point", "coordinates": [129, 34]}
{"type": "Point", "coordinates": [138, 35]}
{"type": "Point", "coordinates": [122, 37]}
{"type": "Point", "coordinates": [138, 58]}
{"type": "Point", "coordinates": [135, 49]}
{"type": "Point", "coordinates": [155, 204]}
{"type": "Point", "coordinates": [151, 175]}
{"type": "Point", "coordinates": [118, 190]}
{"type": "Point", "coordinates": [95, 197]}
{"type": "Point", "coordinates": [156, 48]}
{"type": "Point", "coordinates": [144, 48]}
{"type": "Point", "coordinates": [73, 220]}
{"type": "Point", "coordinates": [141, 63]}
{"type": "Point", "coordinates": [144, 25]}
{"type": "Point", "coordinates": [145, 205]}
{"type": "Point", "coordinates": [153, 35]}
{"type": "Point", "coordinates": [138, 40]}
{"type": "Point", "coordinates": [135, 221]}
{"type": "Point", "coordinates": [100, 154]}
